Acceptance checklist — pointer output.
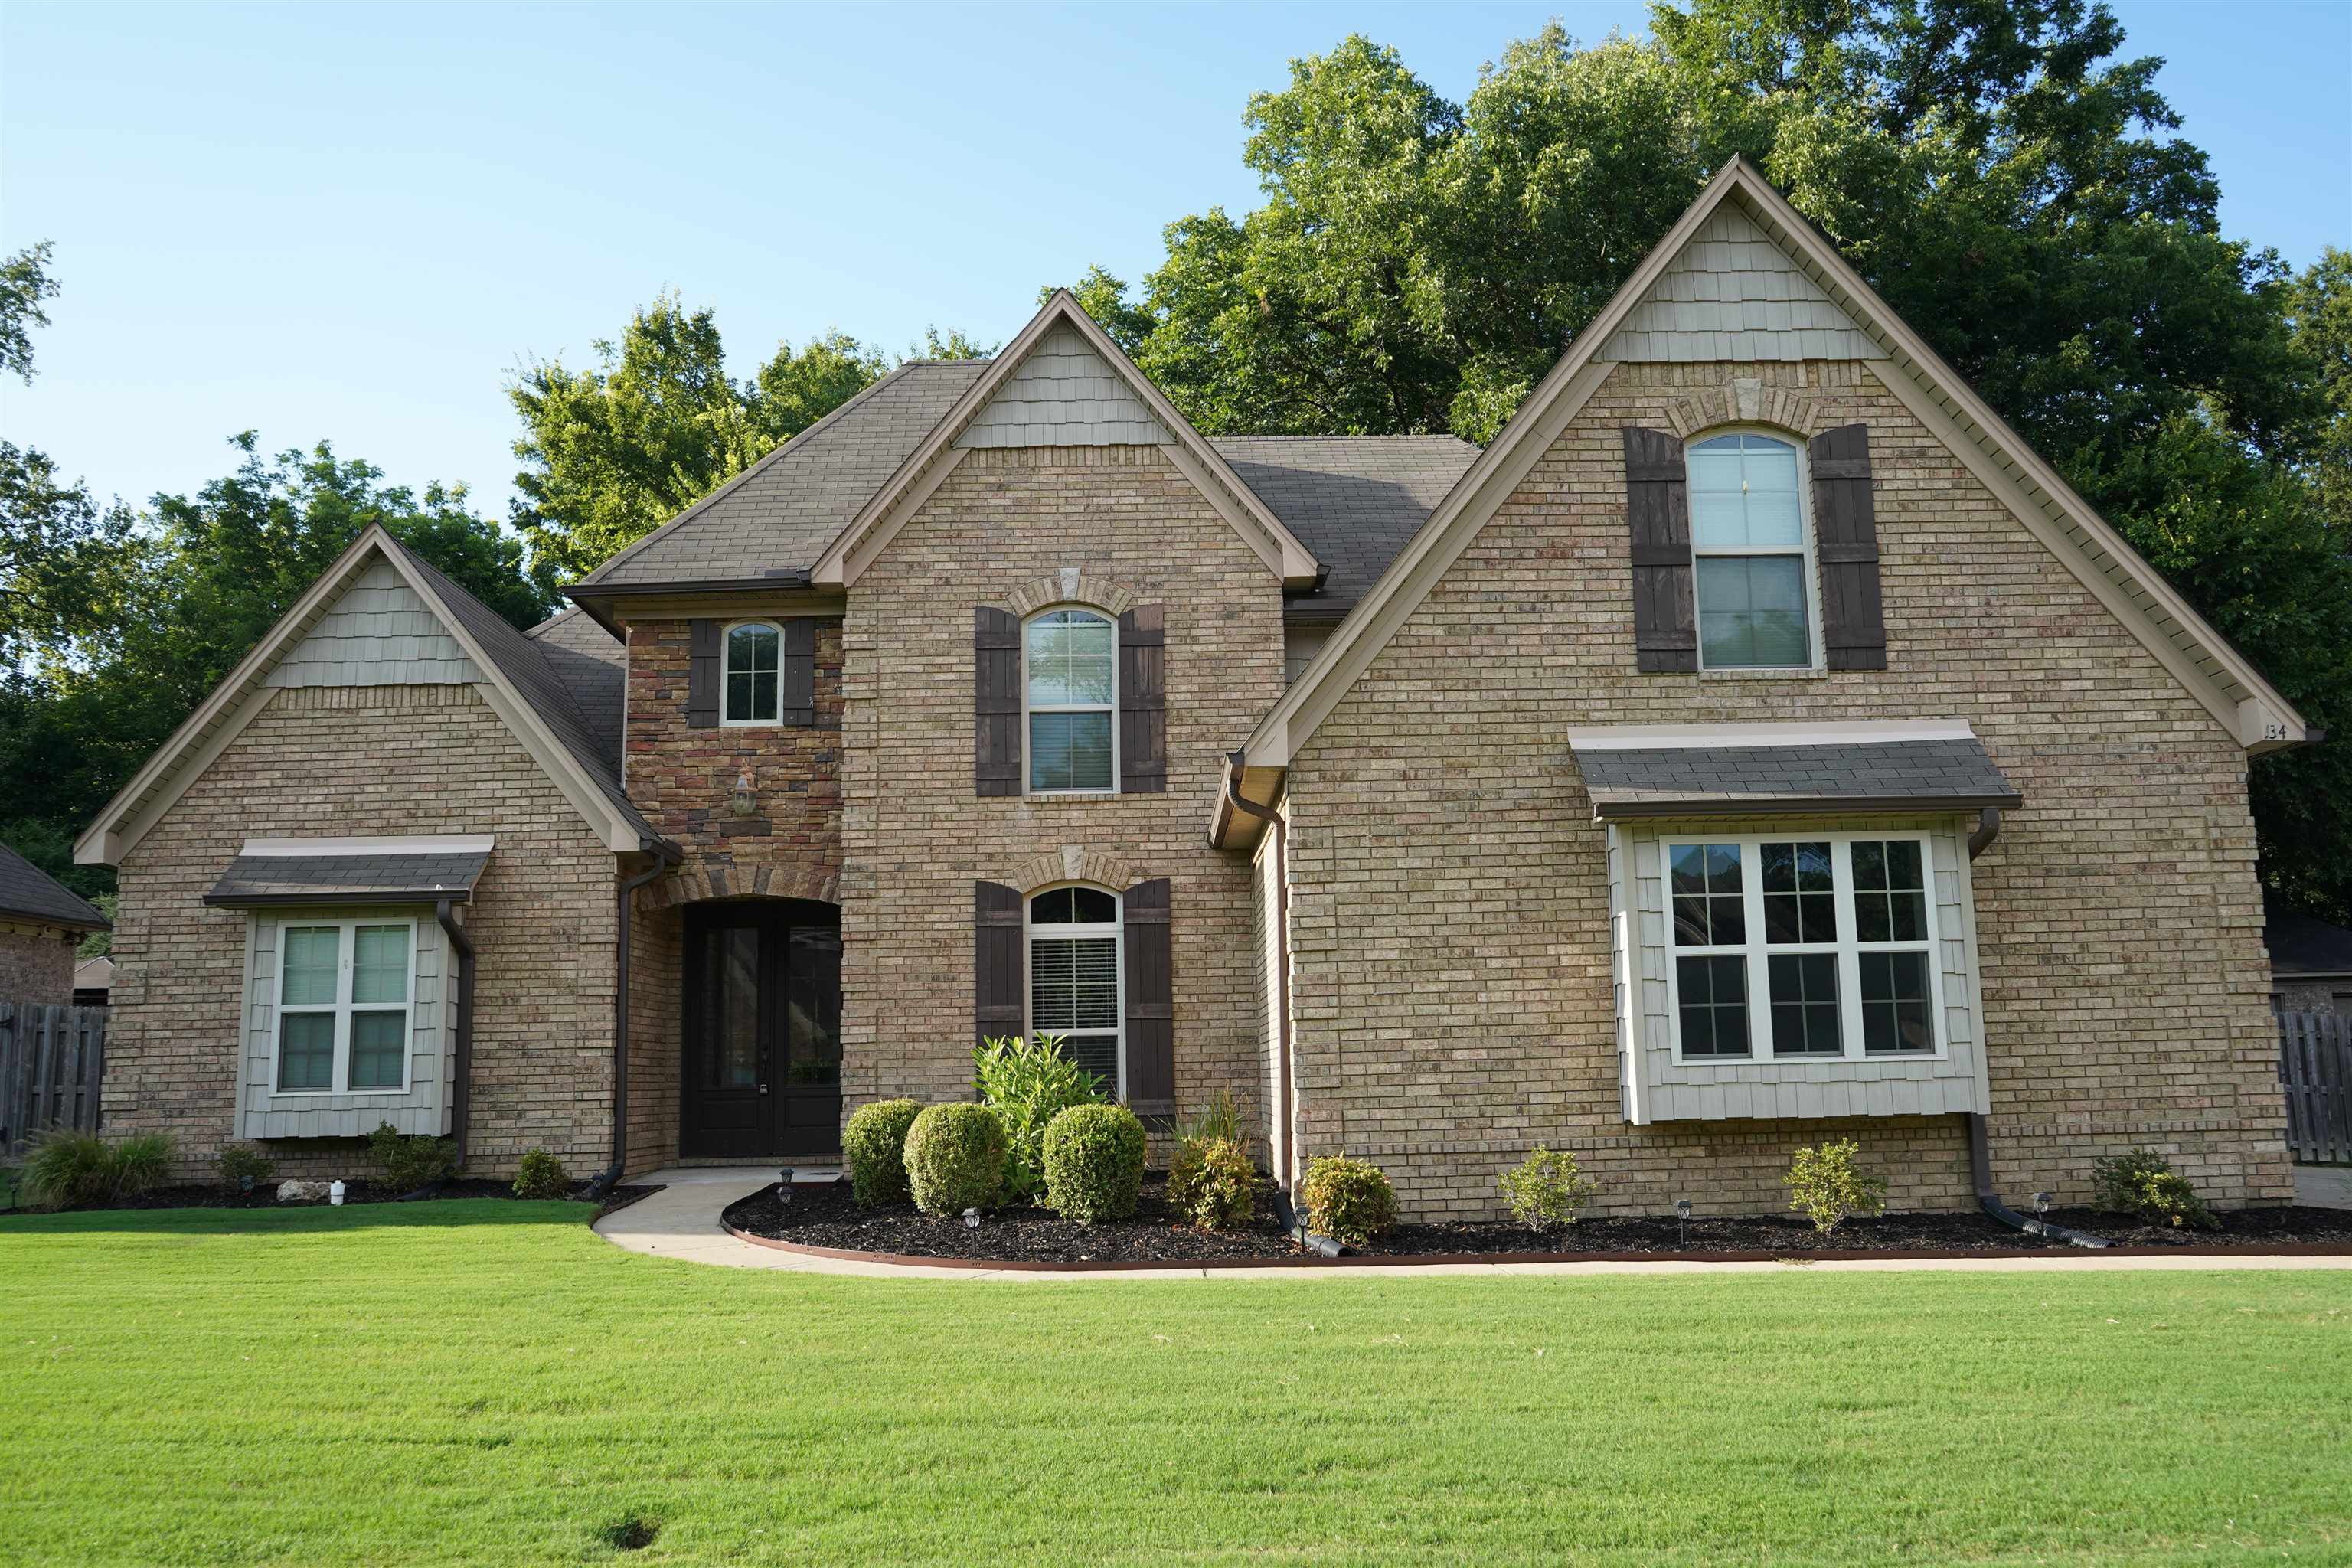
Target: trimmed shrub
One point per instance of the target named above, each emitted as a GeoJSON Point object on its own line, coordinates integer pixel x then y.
{"type": "Point", "coordinates": [2143, 1182]}
{"type": "Point", "coordinates": [243, 1166]}
{"type": "Point", "coordinates": [955, 1158]}
{"type": "Point", "coordinates": [1028, 1082]}
{"type": "Point", "coordinates": [541, 1176]}
{"type": "Point", "coordinates": [1213, 1184]}
{"type": "Point", "coordinates": [875, 1145]}
{"type": "Point", "coordinates": [1547, 1190]}
{"type": "Point", "coordinates": [82, 1170]}
{"type": "Point", "coordinates": [1348, 1200]}
{"type": "Point", "coordinates": [1094, 1162]}
{"type": "Point", "coordinates": [1826, 1186]}
{"type": "Point", "coordinates": [407, 1163]}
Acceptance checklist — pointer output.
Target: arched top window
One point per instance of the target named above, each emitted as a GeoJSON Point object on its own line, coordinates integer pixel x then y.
{"type": "Point", "coordinates": [1074, 978]}
{"type": "Point", "coordinates": [1069, 685]}
{"type": "Point", "coordinates": [1751, 552]}
{"type": "Point", "coordinates": [752, 681]}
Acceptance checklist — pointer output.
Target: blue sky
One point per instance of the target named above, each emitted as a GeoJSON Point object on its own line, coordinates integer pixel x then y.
{"type": "Point", "coordinates": [356, 222]}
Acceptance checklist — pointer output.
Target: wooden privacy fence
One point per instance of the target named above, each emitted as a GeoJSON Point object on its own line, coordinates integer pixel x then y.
{"type": "Point", "coordinates": [51, 1058]}
{"type": "Point", "coordinates": [2316, 1072]}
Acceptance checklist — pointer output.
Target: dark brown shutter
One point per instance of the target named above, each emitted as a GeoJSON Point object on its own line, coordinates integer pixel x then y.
{"type": "Point", "coordinates": [997, 970]}
{"type": "Point", "coordinates": [1143, 700]}
{"type": "Point", "coordinates": [1151, 1000]}
{"type": "Point", "coordinates": [702, 675]}
{"type": "Point", "coordinates": [1657, 495]}
{"type": "Point", "coordinates": [799, 700]}
{"type": "Point", "coordinates": [1845, 534]}
{"type": "Point", "coordinates": [996, 702]}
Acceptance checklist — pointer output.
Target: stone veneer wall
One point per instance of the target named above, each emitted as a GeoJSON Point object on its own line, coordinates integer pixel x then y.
{"type": "Point", "coordinates": [373, 759]}
{"type": "Point", "coordinates": [1450, 928]}
{"type": "Point", "coordinates": [37, 963]}
{"type": "Point", "coordinates": [915, 836]}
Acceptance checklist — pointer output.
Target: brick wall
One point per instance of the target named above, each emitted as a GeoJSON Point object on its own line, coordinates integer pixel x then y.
{"type": "Point", "coordinates": [915, 837]}
{"type": "Point", "coordinates": [373, 759]}
{"type": "Point", "coordinates": [37, 963]}
{"type": "Point", "coordinates": [1450, 928]}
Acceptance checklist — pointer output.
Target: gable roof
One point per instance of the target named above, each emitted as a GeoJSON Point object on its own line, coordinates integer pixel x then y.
{"type": "Point", "coordinates": [2151, 609]}
{"type": "Point", "coordinates": [1354, 501]}
{"type": "Point", "coordinates": [27, 891]}
{"type": "Point", "coordinates": [593, 664]}
{"type": "Point", "coordinates": [930, 463]}
{"type": "Point", "coordinates": [2302, 945]}
{"type": "Point", "coordinates": [517, 681]}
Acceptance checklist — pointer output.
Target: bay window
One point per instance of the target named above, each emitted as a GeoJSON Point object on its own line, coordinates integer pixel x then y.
{"type": "Point", "coordinates": [343, 992]}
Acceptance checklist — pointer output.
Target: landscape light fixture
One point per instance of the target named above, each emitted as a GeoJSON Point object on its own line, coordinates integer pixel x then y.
{"type": "Point", "coordinates": [972, 1219]}
{"type": "Point", "coordinates": [1682, 1213]}
{"type": "Point", "coordinates": [2042, 1204]}
{"type": "Point", "coordinates": [784, 1185]}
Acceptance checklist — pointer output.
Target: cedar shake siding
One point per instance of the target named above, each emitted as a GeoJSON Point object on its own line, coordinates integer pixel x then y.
{"type": "Point", "coordinates": [360, 760]}
{"type": "Point", "coordinates": [1015, 530]}
{"type": "Point", "coordinates": [1450, 923]}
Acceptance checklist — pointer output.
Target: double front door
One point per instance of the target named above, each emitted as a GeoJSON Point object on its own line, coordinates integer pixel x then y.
{"type": "Point", "coordinates": [763, 1071]}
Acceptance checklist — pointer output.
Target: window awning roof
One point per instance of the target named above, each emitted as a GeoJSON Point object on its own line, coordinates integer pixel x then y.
{"type": "Point", "coordinates": [393, 870]}
{"type": "Point", "coordinates": [1751, 770]}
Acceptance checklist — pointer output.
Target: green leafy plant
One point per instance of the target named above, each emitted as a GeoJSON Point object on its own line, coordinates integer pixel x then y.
{"type": "Point", "coordinates": [1220, 1119]}
{"type": "Point", "coordinates": [540, 1175]}
{"type": "Point", "coordinates": [243, 1165]}
{"type": "Point", "coordinates": [1213, 1184]}
{"type": "Point", "coordinates": [1094, 1162]}
{"type": "Point", "coordinates": [956, 1158]}
{"type": "Point", "coordinates": [81, 1170]}
{"type": "Point", "coordinates": [406, 1163]}
{"type": "Point", "coordinates": [1028, 1082]}
{"type": "Point", "coordinates": [1348, 1200]}
{"type": "Point", "coordinates": [1827, 1186]}
{"type": "Point", "coordinates": [1547, 1190]}
{"type": "Point", "coordinates": [875, 1146]}
{"type": "Point", "coordinates": [2142, 1181]}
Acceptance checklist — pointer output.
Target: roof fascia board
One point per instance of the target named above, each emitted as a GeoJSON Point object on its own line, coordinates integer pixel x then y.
{"type": "Point", "coordinates": [1272, 552]}
{"type": "Point", "coordinates": [839, 572]}
{"type": "Point", "coordinates": [102, 844]}
{"type": "Point", "coordinates": [1805, 805]}
{"type": "Point", "coordinates": [2017, 464]}
{"type": "Point", "coordinates": [1833, 732]}
{"type": "Point", "coordinates": [372, 898]}
{"type": "Point", "coordinates": [1409, 579]}
{"type": "Point", "coordinates": [397, 844]}
{"type": "Point", "coordinates": [196, 763]}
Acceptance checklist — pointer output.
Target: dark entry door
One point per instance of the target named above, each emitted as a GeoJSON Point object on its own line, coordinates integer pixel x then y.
{"type": "Point", "coordinates": [762, 1077]}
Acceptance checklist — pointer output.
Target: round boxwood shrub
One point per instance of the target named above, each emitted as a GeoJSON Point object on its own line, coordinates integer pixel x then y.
{"type": "Point", "coordinates": [1094, 1162]}
{"type": "Point", "coordinates": [1348, 1200]}
{"type": "Point", "coordinates": [955, 1158]}
{"type": "Point", "coordinates": [540, 1175]}
{"type": "Point", "coordinates": [1213, 1184]}
{"type": "Point", "coordinates": [875, 1144]}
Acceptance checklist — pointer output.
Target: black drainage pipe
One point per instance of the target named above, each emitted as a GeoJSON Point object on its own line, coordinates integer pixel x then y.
{"type": "Point", "coordinates": [1980, 1165]}
{"type": "Point", "coordinates": [1297, 1226]}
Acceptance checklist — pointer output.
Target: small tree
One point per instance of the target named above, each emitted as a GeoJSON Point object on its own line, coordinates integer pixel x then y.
{"type": "Point", "coordinates": [1827, 1188]}
{"type": "Point", "coordinates": [1547, 1190]}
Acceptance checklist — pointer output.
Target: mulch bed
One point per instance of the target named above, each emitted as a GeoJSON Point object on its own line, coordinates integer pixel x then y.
{"type": "Point", "coordinates": [825, 1216]}
{"type": "Point", "coordinates": [264, 1197]}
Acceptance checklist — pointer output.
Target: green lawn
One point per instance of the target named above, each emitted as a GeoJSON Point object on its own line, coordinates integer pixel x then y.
{"type": "Point", "coordinates": [489, 1383]}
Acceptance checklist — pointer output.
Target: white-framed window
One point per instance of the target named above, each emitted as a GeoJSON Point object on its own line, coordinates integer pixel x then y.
{"type": "Point", "coordinates": [1803, 946]}
{"type": "Point", "coordinates": [1069, 692]}
{"type": "Point", "coordinates": [343, 995]}
{"type": "Point", "coordinates": [1075, 980]}
{"type": "Point", "coordinates": [1752, 553]}
{"type": "Point", "coordinates": [750, 680]}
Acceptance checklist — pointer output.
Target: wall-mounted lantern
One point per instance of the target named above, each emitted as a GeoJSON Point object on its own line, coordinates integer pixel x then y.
{"type": "Point", "coordinates": [742, 801]}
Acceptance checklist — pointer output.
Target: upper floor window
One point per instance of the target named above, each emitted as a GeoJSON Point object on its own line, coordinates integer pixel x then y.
{"type": "Point", "coordinates": [1069, 664]}
{"type": "Point", "coordinates": [1796, 948]}
{"type": "Point", "coordinates": [1750, 553]}
{"type": "Point", "coordinates": [1074, 977]}
{"type": "Point", "coordinates": [752, 675]}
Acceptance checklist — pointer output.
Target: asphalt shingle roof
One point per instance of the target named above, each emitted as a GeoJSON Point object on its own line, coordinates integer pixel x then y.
{"type": "Point", "coordinates": [2301, 944]}
{"type": "Point", "coordinates": [592, 663]}
{"type": "Point", "coordinates": [1955, 774]}
{"type": "Point", "coordinates": [1354, 501]}
{"type": "Point", "coordinates": [25, 890]}
{"type": "Point", "coordinates": [348, 878]}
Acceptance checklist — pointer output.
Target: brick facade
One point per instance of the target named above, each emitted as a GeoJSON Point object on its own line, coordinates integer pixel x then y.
{"type": "Point", "coordinates": [363, 760]}
{"type": "Point", "coordinates": [36, 962]}
{"type": "Point", "coordinates": [1450, 923]}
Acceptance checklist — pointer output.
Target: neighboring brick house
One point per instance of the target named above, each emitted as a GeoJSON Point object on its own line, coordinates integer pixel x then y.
{"type": "Point", "coordinates": [42, 922]}
{"type": "Point", "coordinates": [1756, 743]}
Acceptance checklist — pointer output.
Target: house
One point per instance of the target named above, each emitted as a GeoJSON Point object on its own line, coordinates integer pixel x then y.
{"type": "Point", "coordinates": [2311, 962]}
{"type": "Point", "coordinates": [93, 979]}
{"type": "Point", "coordinates": [1756, 743]}
{"type": "Point", "coordinates": [41, 924]}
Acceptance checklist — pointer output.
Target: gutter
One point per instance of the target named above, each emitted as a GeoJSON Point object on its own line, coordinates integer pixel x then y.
{"type": "Point", "coordinates": [1980, 1166]}
{"type": "Point", "coordinates": [444, 911]}
{"type": "Point", "coordinates": [665, 855]}
{"type": "Point", "coordinates": [1986, 829]}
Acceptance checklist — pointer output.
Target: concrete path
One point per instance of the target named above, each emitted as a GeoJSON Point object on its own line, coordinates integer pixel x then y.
{"type": "Point", "coordinates": [682, 1221]}
{"type": "Point", "coordinates": [2323, 1186]}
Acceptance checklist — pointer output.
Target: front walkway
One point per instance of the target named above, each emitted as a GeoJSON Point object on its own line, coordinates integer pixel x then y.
{"type": "Point", "coordinates": [682, 1221]}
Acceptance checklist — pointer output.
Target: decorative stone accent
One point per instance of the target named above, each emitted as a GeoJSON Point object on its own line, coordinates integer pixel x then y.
{"type": "Point", "coordinates": [1745, 400]}
{"type": "Point", "coordinates": [1073, 862]}
{"type": "Point", "coordinates": [1075, 585]}
{"type": "Point", "coordinates": [302, 1192]}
